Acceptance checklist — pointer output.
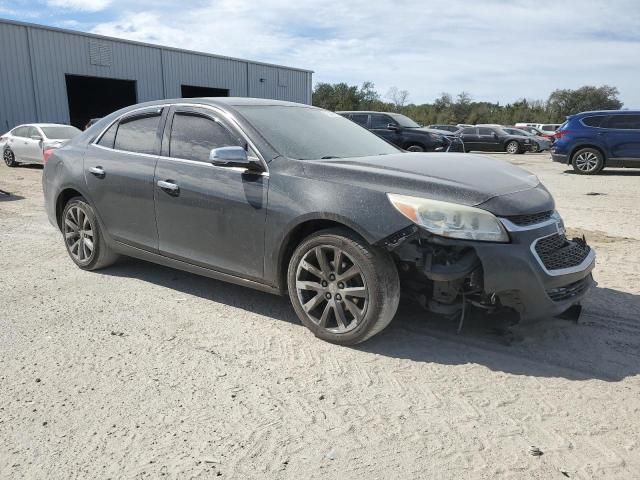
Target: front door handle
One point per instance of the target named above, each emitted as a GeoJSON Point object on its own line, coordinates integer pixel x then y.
{"type": "Point", "coordinates": [97, 171]}
{"type": "Point", "coordinates": [169, 187]}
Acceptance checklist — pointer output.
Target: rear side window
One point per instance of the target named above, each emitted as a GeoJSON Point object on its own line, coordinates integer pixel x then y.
{"type": "Point", "coordinates": [360, 119]}
{"type": "Point", "coordinates": [469, 131]}
{"type": "Point", "coordinates": [138, 134]}
{"type": "Point", "coordinates": [194, 136]}
{"type": "Point", "coordinates": [548, 128]}
{"type": "Point", "coordinates": [485, 131]}
{"type": "Point", "coordinates": [624, 122]}
{"type": "Point", "coordinates": [20, 132]}
{"type": "Point", "coordinates": [33, 132]}
{"type": "Point", "coordinates": [109, 136]}
{"type": "Point", "coordinates": [595, 121]}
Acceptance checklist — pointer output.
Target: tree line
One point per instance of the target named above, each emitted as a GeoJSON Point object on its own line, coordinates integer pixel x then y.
{"type": "Point", "coordinates": [447, 109]}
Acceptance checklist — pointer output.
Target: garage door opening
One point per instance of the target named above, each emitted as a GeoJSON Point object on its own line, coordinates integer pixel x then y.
{"type": "Point", "coordinates": [191, 91]}
{"type": "Point", "coordinates": [95, 97]}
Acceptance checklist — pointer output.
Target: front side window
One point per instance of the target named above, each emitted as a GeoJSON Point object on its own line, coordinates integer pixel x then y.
{"type": "Point", "coordinates": [485, 131]}
{"type": "Point", "coordinates": [360, 119]}
{"type": "Point", "coordinates": [308, 133]}
{"type": "Point", "coordinates": [469, 131]}
{"type": "Point", "coordinates": [380, 121]}
{"type": "Point", "coordinates": [549, 128]}
{"type": "Point", "coordinates": [194, 136]}
{"type": "Point", "coordinates": [624, 122]}
{"type": "Point", "coordinates": [33, 132]}
{"type": "Point", "coordinates": [138, 134]}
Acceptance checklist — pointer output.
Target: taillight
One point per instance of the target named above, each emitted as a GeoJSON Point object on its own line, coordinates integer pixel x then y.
{"type": "Point", "coordinates": [561, 133]}
{"type": "Point", "coordinates": [47, 153]}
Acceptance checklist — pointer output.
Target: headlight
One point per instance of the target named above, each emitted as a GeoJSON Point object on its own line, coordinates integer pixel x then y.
{"type": "Point", "coordinates": [450, 219]}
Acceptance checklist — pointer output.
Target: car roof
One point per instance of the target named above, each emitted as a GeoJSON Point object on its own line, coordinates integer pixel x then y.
{"type": "Point", "coordinates": [608, 112]}
{"type": "Point", "coordinates": [42, 125]}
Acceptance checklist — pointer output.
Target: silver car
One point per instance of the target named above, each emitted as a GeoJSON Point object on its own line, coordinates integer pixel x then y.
{"type": "Point", "coordinates": [27, 143]}
{"type": "Point", "coordinates": [540, 144]}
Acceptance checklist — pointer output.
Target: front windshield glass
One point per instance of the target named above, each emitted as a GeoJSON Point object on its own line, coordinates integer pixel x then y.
{"type": "Point", "coordinates": [404, 121]}
{"type": "Point", "coordinates": [60, 133]}
{"type": "Point", "coordinates": [307, 133]}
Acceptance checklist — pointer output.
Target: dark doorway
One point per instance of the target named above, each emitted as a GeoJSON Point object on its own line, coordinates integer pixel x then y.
{"type": "Point", "coordinates": [95, 97]}
{"type": "Point", "coordinates": [191, 91]}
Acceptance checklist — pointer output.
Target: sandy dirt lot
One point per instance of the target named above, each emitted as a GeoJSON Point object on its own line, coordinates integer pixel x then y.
{"type": "Point", "coordinates": [139, 371]}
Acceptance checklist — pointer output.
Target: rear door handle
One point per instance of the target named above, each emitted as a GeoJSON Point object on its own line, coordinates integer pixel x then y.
{"type": "Point", "coordinates": [169, 187]}
{"type": "Point", "coordinates": [97, 171]}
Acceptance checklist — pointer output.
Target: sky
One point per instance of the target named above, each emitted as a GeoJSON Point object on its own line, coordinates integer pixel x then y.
{"type": "Point", "coordinates": [496, 50]}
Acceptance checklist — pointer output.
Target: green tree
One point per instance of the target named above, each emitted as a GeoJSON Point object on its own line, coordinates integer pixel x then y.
{"type": "Point", "coordinates": [568, 102]}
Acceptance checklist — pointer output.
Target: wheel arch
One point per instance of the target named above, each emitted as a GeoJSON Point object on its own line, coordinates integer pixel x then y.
{"type": "Point", "coordinates": [298, 232]}
{"type": "Point", "coordinates": [62, 199]}
{"type": "Point", "coordinates": [587, 145]}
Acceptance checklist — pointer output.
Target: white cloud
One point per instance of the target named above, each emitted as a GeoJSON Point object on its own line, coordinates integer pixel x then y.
{"type": "Point", "coordinates": [81, 5]}
{"type": "Point", "coordinates": [492, 49]}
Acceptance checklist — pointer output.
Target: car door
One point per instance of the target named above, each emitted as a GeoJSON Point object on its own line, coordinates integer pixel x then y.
{"type": "Point", "coordinates": [208, 215]}
{"type": "Point", "coordinates": [622, 136]}
{"type": "Point", "coordinates": [33, 145]}
{"type": "Point", "coordinates": [361, 119]}
{"type": "Point", "coordinates": [17, 143]}
{"type": "Point", "coordinates": [470, 138]}
{"type": "Point", "coordinates": [119, 169]}
{"type": "Point", "coordinates": [488, 140]}
{"type": "Point", "coordinates": [379, 124]}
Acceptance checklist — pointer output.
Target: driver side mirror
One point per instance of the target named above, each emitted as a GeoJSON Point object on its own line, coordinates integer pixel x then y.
{"type": "Point", "coordinates": [233, 157]}
{"type": "Point", "coordinates": [392, 126]}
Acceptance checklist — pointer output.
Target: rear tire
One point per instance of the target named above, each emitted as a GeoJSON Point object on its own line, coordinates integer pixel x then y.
{"type": "Point", "coordinates": [343, 289]}
{"type": "Point", "coordinates": [83, 237]}
{"type": "Point", "coordinates": [9, 158]}
{"type": "Point", "coordinates": [587, 161]}
{"type": "Point", "coordinates": [512, 147]}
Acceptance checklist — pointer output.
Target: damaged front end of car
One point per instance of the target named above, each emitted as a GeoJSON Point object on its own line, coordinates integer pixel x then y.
{"type": "Point", "coordinates": [532, 272]}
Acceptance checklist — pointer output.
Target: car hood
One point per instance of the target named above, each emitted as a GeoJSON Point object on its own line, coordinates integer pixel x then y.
{"type": "Point", "coordinates": [467, 179]}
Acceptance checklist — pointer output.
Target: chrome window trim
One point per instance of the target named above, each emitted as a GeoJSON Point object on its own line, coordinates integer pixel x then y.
{"type": "Point", "coordinates": [227, 116]}
{"type": "Point", "coordinates": [184, 160]}
{"type": "Point", "coordinates": [589, 259]}
{"type": "Point", "coordinates": [591, 116]}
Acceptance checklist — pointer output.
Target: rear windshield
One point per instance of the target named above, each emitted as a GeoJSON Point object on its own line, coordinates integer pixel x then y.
{"type": "Point", "coordinates": [307, 133]}
{"type": "Point", "coordinates": [60, 133]}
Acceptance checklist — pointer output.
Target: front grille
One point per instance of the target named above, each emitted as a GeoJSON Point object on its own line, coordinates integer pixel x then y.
{"type": "Point", "coordinates": [570, 291]}
{"type": "Point", "coordinates": [556, 252]}
{"type": "Point", "coordinates": [532, 219]}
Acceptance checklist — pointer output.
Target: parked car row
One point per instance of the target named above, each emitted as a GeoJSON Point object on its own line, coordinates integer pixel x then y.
{"type": "Point", "coordinates": [30, 143]}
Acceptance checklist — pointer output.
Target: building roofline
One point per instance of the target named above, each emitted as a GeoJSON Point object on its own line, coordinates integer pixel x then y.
{"type": "Point", "coordinates": [144, 44]}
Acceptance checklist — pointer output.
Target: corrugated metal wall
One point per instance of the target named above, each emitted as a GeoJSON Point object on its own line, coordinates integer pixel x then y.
{"type": "Point", "coordinates": [35, 60]}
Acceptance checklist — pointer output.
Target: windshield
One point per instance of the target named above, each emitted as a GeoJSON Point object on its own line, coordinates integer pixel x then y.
{"type": "Point", "coordinates": [404, 121]}
{"type": "Point", "coordinates": [60, 133]}
{"type": "Point", "coordinates": [307, 133]}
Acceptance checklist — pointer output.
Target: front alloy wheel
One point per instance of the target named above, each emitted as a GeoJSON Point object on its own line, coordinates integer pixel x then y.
{"type": "Point", "coordinates": [343, 289]}
{"type": "Point", "coordinates": [332, 289]}
{"type": "Point", "coordinates": [513, 147]}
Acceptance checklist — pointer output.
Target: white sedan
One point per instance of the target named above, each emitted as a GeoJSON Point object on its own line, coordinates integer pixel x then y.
{"type": "Point", "coordinates": [27, 143]}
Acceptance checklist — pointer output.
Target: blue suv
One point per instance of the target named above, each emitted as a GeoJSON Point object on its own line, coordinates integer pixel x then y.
{"type": "Point", "coordinates": [591, 141]}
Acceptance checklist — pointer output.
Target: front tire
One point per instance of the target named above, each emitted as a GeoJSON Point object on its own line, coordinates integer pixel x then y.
{"type": "Point", "coordinates": [587, 161]}
{"type": "Point", "coordinates": [512, 147]}
{"type": "Point", "coordinates": [535, 148]}
{"type": "Point", "coordinates": [83, 237]}
{"type": "Point", "coordinates": [415, 148]}
{"type": "Point", "coordinates": [343, 289]}
{"type": "Point", "coordinates": [9, 158]}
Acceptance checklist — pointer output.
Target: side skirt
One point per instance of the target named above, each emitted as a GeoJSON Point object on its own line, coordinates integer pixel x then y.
{"type": "Point", "coordinates": [188, 267]}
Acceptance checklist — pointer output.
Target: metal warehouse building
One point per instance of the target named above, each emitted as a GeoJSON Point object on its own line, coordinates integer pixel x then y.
{"type": "Point", "coordinates": [54, 75]}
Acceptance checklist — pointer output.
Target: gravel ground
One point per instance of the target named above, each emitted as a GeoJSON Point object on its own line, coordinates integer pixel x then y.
{"type": "Point", "coordinates": [139, 371]}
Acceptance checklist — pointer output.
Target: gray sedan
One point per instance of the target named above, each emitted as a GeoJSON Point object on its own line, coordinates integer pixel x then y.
{"type": "Point", "coordinates": [540, 144]}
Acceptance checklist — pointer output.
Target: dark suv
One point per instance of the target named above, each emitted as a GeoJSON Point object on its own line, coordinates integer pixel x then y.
{"type": "Point", "coordinates": [292, 199]}
{"type": "Point", "coordinates": [404, 132]}
{"type": "Point", "coordinates": [591, 141]}
{"type": "Point", "coordinates": [494, 139]}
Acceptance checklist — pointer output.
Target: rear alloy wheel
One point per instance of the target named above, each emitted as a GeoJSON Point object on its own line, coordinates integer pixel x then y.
{"type": "Point", "coordinates": [343, 290]}
{"type": "Point", "coordinates": [82, 236]}
{"type": "Point", "coordinates": [9, 158]}
{"type": "Point", "coordinates": [587, 161]}
{"type": "Point", "coordinates": [512, 147]}
{"type": "Point", "coordinates": [415, 148]}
